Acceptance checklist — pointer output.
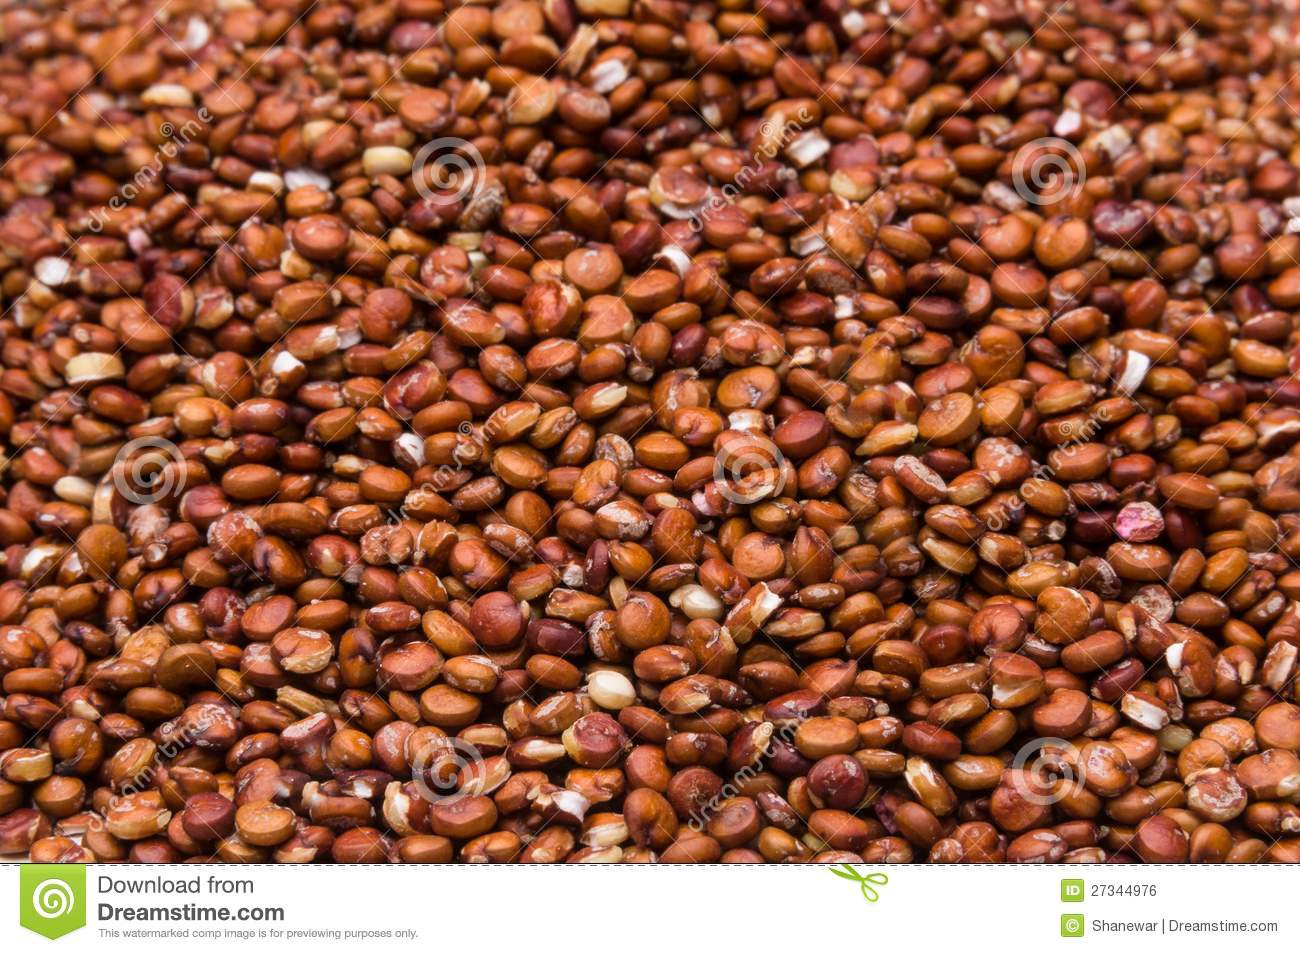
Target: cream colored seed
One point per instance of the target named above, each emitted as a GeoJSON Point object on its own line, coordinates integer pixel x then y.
{"type": "Point", "coordinates": [74, 489]}
{"type": "Point", "coordinates": [584, 40]}
{"type": "Point", "coordinates": [807, 148]}
{"type": "Point", "coordinates": [314, 131]}
{"type": "Point", "coordinates": [605, 398]}
{"type": "Point", "coordinates": [269, 182]}
{"type": "Point", "coordinates": [167, 94]}
{"type": "Point", "coordinates": [855, 188]}
{"type": "Point", "coordinates": [302, 178]}
{"type": "Point", "coordinates": [52, 271]}
{"type": "Point", "coordinates": [608, 833]}
{"type": "Point", "coordinates": [608, 75]}
{"type": "Point", "coordinates": [602, 855]}
{"type": "Point", "coordinates": [293, 265]}
{"type": "Point", "coordinates": [93, 366]}
{"type": "Point", "coordinates": [610, 689]}
{"type": "Point", "coordinates": [531, 101]}
{"type": "Point", "coordinates": [696, 602]}
{"type": "Point", "coordinates": [386, 160]}
{"type": "Point", "coordinates": [40, 296]}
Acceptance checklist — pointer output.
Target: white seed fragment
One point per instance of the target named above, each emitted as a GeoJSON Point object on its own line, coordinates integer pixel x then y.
{"type": "Point", "coordinates": [197, 35]}
{"type": "Point", "coordinates": [696, 602]}
{"type": "Point", "coordinates": [808, 242]}
{"type": "Point", "coordinates": [677, 258]}
{"type": "Point", "coordinates": [300, 178]}
{"type": "Point", "coordinates": [1144, 712]}
{"type": "Point", "coordinates": [52, 271]}
{"type": "Point", "coordinates": [608, 75]}
{"type": "Point", "coordinates": [807, 147]}
{"type": "Point", "coordinates": [263, 181]}
{"type": "Point", "coordinates": [1136, 365]}
{"type": "Point", "coordinates": [411, 447]}
{"type": "Point", "coordinates": [284, 364]}
{"type": "Point", "coordinates": [1114, 141]}
{"type": "Point", "coordinates": [606, 399]}
{"type": "Point", "coordinates": [610, 689]}
{"type": "Point", "coordinates": [854, 24]}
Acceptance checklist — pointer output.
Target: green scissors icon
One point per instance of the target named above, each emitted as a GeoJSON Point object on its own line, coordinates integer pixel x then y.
{"type": "Point", "coordinates": [864, 881]}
